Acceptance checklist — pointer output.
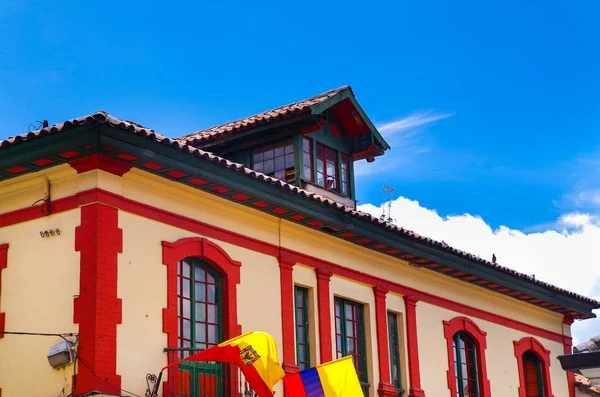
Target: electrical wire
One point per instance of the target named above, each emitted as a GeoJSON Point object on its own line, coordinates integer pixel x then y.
{"type": "Point", "coordinates": [105, 381]}
{"type": "Point", "coordinates": [63, 336]}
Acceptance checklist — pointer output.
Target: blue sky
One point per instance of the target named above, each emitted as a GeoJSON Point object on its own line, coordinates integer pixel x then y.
{"type": "Point", "coordinates": [513, 85]}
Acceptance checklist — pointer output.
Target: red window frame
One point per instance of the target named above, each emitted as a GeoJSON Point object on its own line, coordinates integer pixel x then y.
{"type": "Point", "coordinates": [529, 344]}
{"type": "Point", "coordinates": [324, 151]}
{"type": "Point", "coordinates": [468, 327]}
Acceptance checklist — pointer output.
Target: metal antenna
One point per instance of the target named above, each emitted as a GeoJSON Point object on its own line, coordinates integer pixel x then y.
{"type": "Point", "coordinates": [388, 196]}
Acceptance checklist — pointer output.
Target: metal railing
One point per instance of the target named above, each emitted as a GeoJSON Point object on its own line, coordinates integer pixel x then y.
{"type": "Point", "coordinates": [203, 379]}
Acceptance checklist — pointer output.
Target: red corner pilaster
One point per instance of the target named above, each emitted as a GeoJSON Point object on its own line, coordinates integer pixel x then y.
{"type": "Point", "coordinates": [568, 349]}
{"type": "Point", "coordinates": [324, 305]}
{"type": "Point", "coordinates": [385, 389]}
{"type": "Point", "coordinates": [464, 324]}
{"type": "Point", "coordinates": [414, 371]}
{"type": "Point", "coordinates": [97, 309]}
{"type": "Point", "coordinates": [286, 267]}
{"type": "Point", "coordinates": [100, 162]}
{"type": "Point", "coordinates": [538, 349]}
{"type": "Point", "coordinates": [3, 264]}
{"type": "Point", "coordinates": [228, 268]}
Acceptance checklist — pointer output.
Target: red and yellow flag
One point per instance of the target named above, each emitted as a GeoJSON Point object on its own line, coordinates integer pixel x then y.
{"type": "Point", "coordinates": [255, 353]}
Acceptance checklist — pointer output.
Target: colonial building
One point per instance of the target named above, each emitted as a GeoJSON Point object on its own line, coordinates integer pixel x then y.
{"type": "Point", "coordinates": [139, 249]}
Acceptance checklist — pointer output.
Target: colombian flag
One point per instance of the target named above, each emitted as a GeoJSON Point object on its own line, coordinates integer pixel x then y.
{"type": "Point", "coordinates": [334, 379]}
{"type": "Point", "coordinates": [255, 353]}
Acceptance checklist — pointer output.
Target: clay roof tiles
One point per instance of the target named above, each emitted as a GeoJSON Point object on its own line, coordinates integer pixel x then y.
{"type": "Point", "coordinates": [102, 117]}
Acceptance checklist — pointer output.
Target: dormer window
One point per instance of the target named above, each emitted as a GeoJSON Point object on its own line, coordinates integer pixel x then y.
{"type": "Point", "coordinates": [276, 160]}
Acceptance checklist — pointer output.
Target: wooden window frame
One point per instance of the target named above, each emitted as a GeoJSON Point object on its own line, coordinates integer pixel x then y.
{"type": "Point", "coordinates": [394, 344]}
{"type": "Point", "coordinates": [469, 328]}
{"type": "Point", "coordinates": [345, 159]}
{"type": "Point", "coordinates": [543, 355]}
{"type": "Point", "coordinates": [311, 176]}
{"type": "Point", "coordinates": [471, 361]}
{"type": "Point", "coordinates": [359, 337]}
{"type": "Point", "coordinates": [282, 144]}
{"type": "Point", "coordinates": [302, 327]}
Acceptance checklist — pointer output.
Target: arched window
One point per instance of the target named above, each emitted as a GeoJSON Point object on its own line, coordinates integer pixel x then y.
{"type": "Point", "coordinates": [533, 362]}
{"type": "Point", "coordinates": [199, 305]}
{"type": "Point", "coordinates": [465, 365]}
{"type": "Point", "coordinates": [532, 375]}
{"type": "Point", "coordinates": [467, 373]}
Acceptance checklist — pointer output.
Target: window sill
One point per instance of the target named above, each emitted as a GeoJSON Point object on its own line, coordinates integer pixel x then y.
{"type": "Point", "coordinates": [335, 196]}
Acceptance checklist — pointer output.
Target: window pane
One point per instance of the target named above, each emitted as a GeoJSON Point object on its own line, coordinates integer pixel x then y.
{"type": "Point", "coordinates": [212, 314]}
{"type": "Point", "coordinates": [258, 157]}
{"type": "Point", "coordinates": [200, 333]}
{"type": "Point", "coordinates": [212, 293]}
{"type": "Point", "coordinates": [200, 292]}
{"type": "Point", "coordinates": [289, 160]}
{"type": "Point", "coordinates": [258, 167]}
{"type": "Point", "coordinates": [213, 334]}
{"type": "Point", "coordinates": [200, 274]}
{"type": "Point", "coordinates": [268, 166]}
{"type": "Point", "coordinates": [279, 163]}
{"type": "Point", "coordinates": [330, 155]}
{"type": "Point", "coordinates": [268, 154]}
{"type": "Point", "coordinates": [187, 311]}
{"type": "Point", "coordinates": [306, 144]}
{"type": "Point", "coordinates": [200, 312]}
{"type": "Point", "coordinates": [186, 288]}
{"type": "Point", "coordinates": [186, 269]}
{"type": "Point", "coordinates": [187, 333]}
{"type": "Point", "coordinates": [289, 148]}
{"type": "Point", "coordinates": [279, 151]}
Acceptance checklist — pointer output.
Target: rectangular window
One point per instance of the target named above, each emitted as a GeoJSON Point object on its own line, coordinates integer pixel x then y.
{"type": "Point", "coordinates": [350, 337]}
{"type": "Point", "coordinates": [276, 160]}
{"type": "Point", "coordinates": [394, 350]}
{"type": "Point", "coordinates": [327, 170]}
{"type": "Point", "coordinates": [345, 177]}
{"type": "Point", "coordinates": [307, 158]}
{"type": "Point", "coordinates": [302, 338]}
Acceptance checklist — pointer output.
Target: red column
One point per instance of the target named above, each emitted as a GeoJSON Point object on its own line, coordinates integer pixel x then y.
{"type": "Point", "coordinates": [414, 373]}
{"type": "Point", "coordinates": [97, 309]}
{"type": "Point", "coordinates": [568, 349]}
{"type": "Point", "coordinates": [3, 264]}
{"type": "Point", "coordinates": [385, 389]}
{"type": "Point", "coordinates": [286, 267]}
{"type": "Point", "coordinates": [324, 304]}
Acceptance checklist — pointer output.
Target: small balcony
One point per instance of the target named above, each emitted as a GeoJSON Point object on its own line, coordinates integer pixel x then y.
{"type": "Point", "coordinates": [203, 379]}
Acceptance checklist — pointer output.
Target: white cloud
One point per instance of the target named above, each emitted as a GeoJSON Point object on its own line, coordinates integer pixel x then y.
{"type": "Point", "coordinates": [406, 136]}
{"type": "Point", "coordinates": [563, 255]}
{"type": "Point", "coordinates": [411, 122]}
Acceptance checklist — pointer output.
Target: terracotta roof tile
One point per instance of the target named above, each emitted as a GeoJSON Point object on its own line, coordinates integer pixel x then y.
{"type": "Point", "coordinates": [583, 384]}
{"type": "Point", "coordinates": [102, 117]}
{"type": "Point", "coordinates": [269, 116]}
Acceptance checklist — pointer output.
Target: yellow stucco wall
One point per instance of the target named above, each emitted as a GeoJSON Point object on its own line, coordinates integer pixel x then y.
{"type": "Point", "coordinates": [38, 286]}
{"type": "Point", "coordinates": [142, 285]}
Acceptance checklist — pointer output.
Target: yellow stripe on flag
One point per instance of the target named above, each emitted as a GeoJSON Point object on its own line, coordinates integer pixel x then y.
{"type": "Point", "coordinates": [339, 378]}
{"type": "Point", "coordinates": [262, 345]}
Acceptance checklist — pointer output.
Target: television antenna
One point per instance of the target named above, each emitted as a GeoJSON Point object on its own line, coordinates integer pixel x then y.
{"type": "Point", "coordinates": [388, 196]}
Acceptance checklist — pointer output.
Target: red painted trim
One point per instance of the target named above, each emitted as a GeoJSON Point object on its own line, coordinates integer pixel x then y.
{"type": "Point", "coordinates": [568, 349]}
{"type": "Point", "coordinates": [99, 161]}
{"type": "Point", "coordinates": [538, 349]}
{"type": "Point", "coordinates": [385, 388]}
{"type": "Point", "coordinates": [412, 342]}
{"type": "Point", "coordinates": [286, 268]}
{"type": "Point", "coordinates": [324, 306]}
{"type": "Point", "coordinates": [3, 265]}
{"type": "Point", "coordinates": [97, 309]}
{"type": "Point", "coordinates": [215, 256]}
{"type": "Point", "coordinates": [211, 231]}
{"type": "Point", "coordinates": [463, 324]}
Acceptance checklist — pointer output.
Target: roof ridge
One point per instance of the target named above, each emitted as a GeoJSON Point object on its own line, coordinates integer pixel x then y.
{"type": "Point", "coordinates": [193, 135]}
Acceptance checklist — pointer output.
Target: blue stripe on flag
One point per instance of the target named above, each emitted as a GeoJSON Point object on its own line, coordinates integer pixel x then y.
{"type": "Point", "coordinates": [312, 383]}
